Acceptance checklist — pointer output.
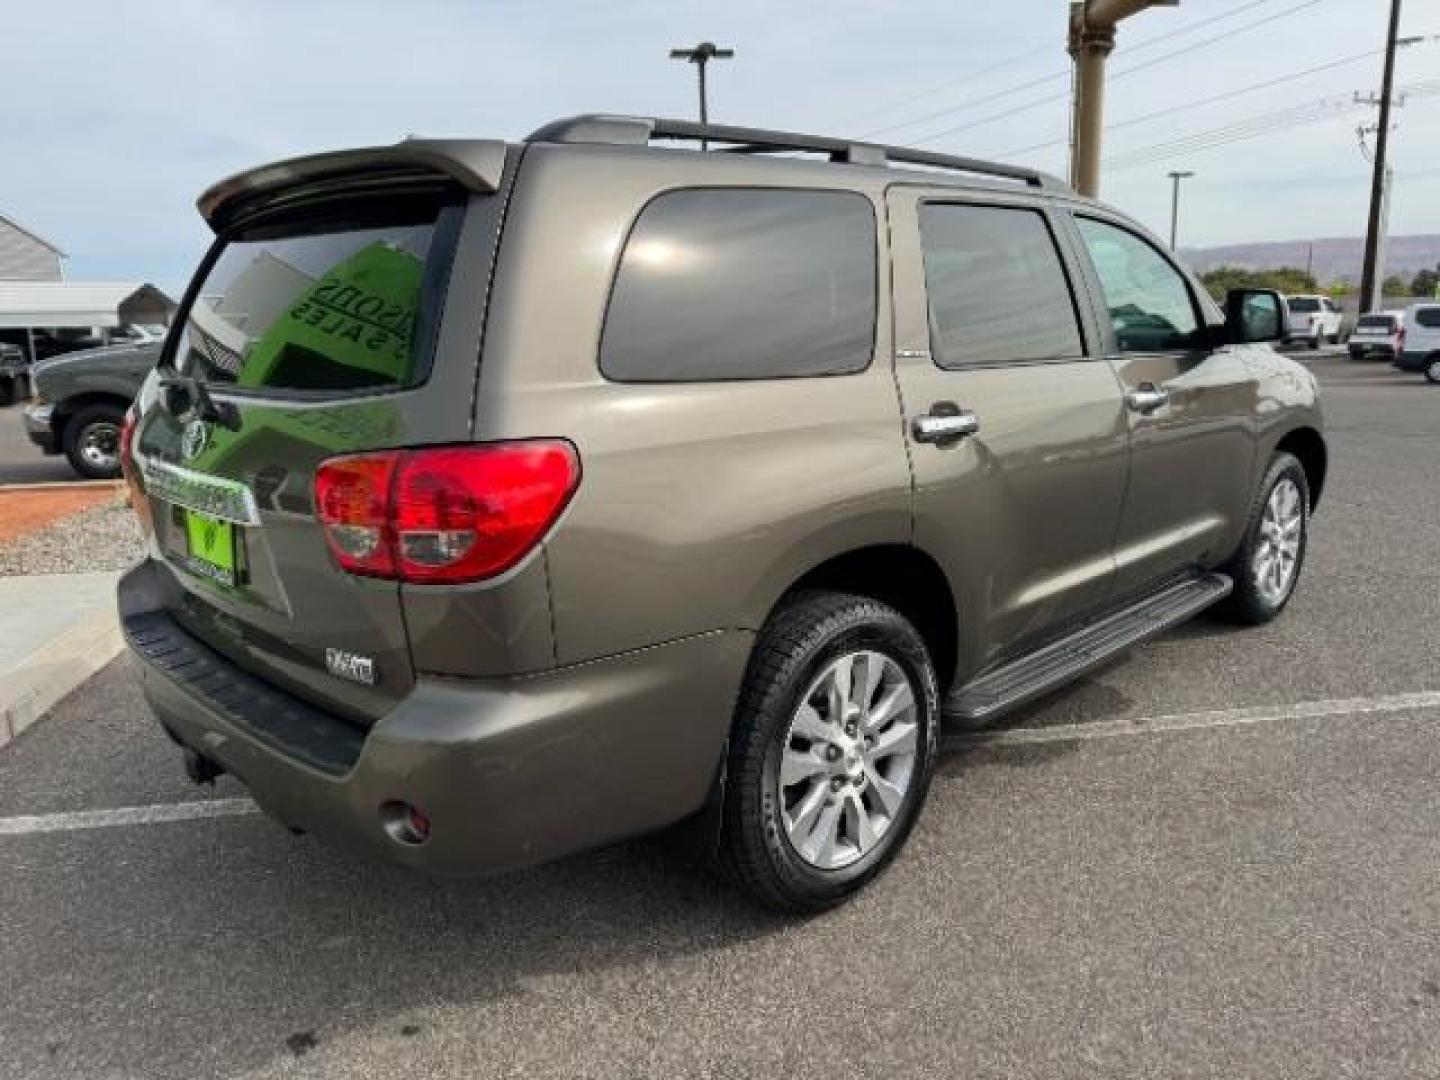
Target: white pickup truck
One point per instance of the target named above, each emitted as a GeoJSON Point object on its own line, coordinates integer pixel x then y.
{"type": "Point", "coordinates": [1313, 319]}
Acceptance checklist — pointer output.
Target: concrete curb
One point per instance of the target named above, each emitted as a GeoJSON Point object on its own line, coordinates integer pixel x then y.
{"type": "Point", "coordinates": [62, 485]}
{"type": "Point", "coordinates": [72, 622]}
{"type": "Point", "coordinates": [55, 669]}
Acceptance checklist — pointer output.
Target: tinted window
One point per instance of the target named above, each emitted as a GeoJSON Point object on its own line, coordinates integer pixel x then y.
{"type": "Point", "coordinates": [1428, 317]}
{"type": "Point", "coordinates": [744, 284]}
{"type": "Point", "coordinates": [1149, 303]}
{"type": "Point", "coordinates": [323, 310]}
{"type": "Point", "coordinates": [1305, 304]}
{"type": "Point", "coordinates": [997, 290]}
{"type": "Point", "coordinates": [1376, 322]}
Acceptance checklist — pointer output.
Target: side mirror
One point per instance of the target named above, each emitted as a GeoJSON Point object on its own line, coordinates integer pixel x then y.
{"type": "Point", "coordinates": [1253, 315]}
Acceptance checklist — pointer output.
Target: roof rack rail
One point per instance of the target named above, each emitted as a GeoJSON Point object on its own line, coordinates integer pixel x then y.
{"type": "Point", "coordinates": [641, 130]}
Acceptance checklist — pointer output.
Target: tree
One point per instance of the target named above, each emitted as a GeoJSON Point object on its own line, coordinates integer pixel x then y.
{"type": "Point", "coordinates": [1287, 279]}
{"type": "Point", "coordinates": [1426, 283]}
{"type": "Point", "coordinates": [1395, 285]}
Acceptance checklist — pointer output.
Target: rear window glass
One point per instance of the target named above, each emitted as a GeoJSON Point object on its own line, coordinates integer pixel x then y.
{"type": "Point", "coordinates": [998, 292]}
{"type": "Point", "coordinates": [1428, 317]}
{"type": "Point", "coordinates": [322, 310]}
{"type": "Point", "coordinates": [1376, 322]}
{"type": "Point", "coordinates": [744, 283]}
{"type": "Point", "coordinates": [1305, 304]}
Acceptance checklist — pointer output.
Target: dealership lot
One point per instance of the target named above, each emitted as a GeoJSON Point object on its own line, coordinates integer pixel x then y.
{"type": "Point", "coordinates": [1220, 893]}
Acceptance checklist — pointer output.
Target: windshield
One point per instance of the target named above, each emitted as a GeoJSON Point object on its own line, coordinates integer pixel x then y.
{"type": "Point", "coordinates": [335, 309]}
{"type": "Point", "coordinates": [1304, 304]}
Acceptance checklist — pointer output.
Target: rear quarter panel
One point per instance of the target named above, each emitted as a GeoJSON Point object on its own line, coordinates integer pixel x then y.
{"type": "Point", "coordinates": [700, 503]}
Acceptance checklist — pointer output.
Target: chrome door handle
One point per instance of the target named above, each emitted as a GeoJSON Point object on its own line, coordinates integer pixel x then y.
{"type": "Point", "coordinates": [1146, 398]}
{"type": "Point", "coordinates": [935, 427]}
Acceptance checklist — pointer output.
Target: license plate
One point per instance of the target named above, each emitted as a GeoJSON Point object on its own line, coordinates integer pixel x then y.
{"type": "Point", "coordinates": [210, 545]}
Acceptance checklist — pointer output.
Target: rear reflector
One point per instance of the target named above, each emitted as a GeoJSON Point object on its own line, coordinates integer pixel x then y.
{"type": "Point", "coordinates": [443, 515]}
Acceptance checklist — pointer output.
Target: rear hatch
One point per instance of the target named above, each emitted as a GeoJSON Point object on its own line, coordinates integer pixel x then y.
{"type": "Point", "coordinates": [313, 329]}
{"type": "Point", "coordinates": [1376, 327]}
{"type": "Point", "coordinates": [1304, 314]}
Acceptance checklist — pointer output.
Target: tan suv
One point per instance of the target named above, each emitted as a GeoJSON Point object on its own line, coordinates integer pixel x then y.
{"type": "Point", "coordinates": [505, 500]}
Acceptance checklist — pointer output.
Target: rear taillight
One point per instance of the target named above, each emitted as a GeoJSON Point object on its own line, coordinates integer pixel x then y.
{"type": "Point", "coordinates": [352, 500]}
{"type": "Point", "coordinates": [127, 441]}
{"type": "Point", "coordinates": [444, 514]}
{"type": "Point", "coordinates": [138, 502]}
{"type": "Point", "coordinates": [1400, 338]}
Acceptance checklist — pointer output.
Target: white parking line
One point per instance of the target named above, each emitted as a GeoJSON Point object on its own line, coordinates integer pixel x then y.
{"type": "Point", "coordinates": [127, 815]}
{"type": "Point", "coordinates": [1217, 718]}
{"type": "Point", "coordinates": [1100, 729]}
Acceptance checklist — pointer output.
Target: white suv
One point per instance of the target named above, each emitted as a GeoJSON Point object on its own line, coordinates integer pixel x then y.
{"type": "Point", "coordinates": [1379, 334]}
{"type": "Point", "coordinates": [1420, 346]}
{"type": "Point", "coordinates": [1315, 319]}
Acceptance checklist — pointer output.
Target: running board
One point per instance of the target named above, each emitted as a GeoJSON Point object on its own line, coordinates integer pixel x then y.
{"type": "Point", "coordinates": [1030, 676]}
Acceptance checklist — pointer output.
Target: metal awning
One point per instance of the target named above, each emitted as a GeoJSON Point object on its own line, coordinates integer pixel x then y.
{"type": "Point", "coordinates": [75, 304]}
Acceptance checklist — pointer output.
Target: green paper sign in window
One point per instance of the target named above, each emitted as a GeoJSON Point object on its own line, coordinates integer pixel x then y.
{"type": "Point", "coordinates": [351, 329]}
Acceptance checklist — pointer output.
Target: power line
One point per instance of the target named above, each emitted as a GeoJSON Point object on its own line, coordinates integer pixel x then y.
{"type": "Point", "coordinates": [950, 84]}
{"type": "Point", "coordinates": [1226, 96]}
{"type": "Point", "coordinates": [1118, 74]}
{"type": "Point", "coordinates": [1054, 76]}
{"type": "Point", "coordinates": [1255, 126]}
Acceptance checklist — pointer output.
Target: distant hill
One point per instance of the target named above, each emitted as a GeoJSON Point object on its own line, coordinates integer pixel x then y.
{"type": "Point", "coordinates": [1333, 259]}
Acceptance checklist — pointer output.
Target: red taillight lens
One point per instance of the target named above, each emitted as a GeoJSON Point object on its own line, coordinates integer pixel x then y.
{"type": "Point", "coordinates": [444, 515]}
{"type": "Point", "coordinates": [1400, 339]}
{"type": "Point", "coordinates": [127, 442]}
{"type": "Point", "coordinates": [138, 502]}
{"type": "Point", "coordinates": [352, 500]}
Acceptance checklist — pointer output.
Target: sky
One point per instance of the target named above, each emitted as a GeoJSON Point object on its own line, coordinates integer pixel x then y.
{"type": "Point", "coordinates": [128, 112]}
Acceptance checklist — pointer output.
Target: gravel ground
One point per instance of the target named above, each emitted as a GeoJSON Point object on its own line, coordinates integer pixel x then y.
{"type": "Point", "coordinates": [105, 537]}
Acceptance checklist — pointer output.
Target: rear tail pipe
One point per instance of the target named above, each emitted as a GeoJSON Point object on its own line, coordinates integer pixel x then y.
{"type": "Point", "coordinates": [200, 769]}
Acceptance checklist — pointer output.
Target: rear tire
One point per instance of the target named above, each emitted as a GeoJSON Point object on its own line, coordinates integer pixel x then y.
{"type": "Point", "coordinates": [1432, 369]}
{"type": "Point", "coordinates": [827, 771]}
{"type": "Point", "coordinates": [1266, 567]}
{"type": "Point", "coordinates": [92, 441]}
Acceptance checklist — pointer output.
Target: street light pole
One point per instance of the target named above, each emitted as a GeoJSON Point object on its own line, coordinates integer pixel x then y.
{"type": "Point", "coordinates": [1377, 179]}
{"type": "Point", "coordinates": [1175, 178]}
{"type": "Point", "coordinates": [700, 56]}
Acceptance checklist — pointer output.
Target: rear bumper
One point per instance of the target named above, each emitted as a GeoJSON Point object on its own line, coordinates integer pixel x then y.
{"type": "Point", "coordinates": [1411, 361]}
{"type": "Point", "coordinates": [39, 426]}
{"type": "Point", "coordinates": [1371, 348]}
{"type": "Point", "coordinates": [510, 771]}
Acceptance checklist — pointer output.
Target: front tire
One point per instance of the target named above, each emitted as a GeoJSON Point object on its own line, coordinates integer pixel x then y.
{"type": "Point", "coordinates": [832, 750]}
{"type": "Point", "coordinates": [92, 441]}
{"type": "Point", "coordinates": [1266, 567]}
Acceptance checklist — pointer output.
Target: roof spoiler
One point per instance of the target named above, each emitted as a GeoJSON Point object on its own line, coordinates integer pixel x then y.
{"type": "Point", "coordinates": [475, 165]}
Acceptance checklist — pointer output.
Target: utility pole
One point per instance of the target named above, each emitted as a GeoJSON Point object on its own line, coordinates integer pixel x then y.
{"type": "Point", "coordinates": [1377, 179]}
{"type": "Point", "coordinates": [1175, 178]}
{"type": "Point", "coordinates": [1092, 37]}
{"type": "Point", "coordinates": [701, 55]}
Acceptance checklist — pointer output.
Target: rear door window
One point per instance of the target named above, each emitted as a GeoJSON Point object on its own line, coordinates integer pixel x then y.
{"type": "Point", "coordinates": [1428, 317]}
{"type": "Point", "coordinates": [997, 289]}
{"type": "Point", "coordinates": [316, 307]}
{"type": "Point", "coordinates": [744, 283]}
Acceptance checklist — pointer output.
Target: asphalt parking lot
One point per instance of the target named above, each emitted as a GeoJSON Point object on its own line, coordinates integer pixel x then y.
{"type": "Point", "coordinates": [1217, 857]}
{"type": "Point", "coordinates": [21, 462]}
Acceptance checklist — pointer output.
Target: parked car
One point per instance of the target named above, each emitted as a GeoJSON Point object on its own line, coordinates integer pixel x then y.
{"type": "Point", "coordinates": [1378, 334]}
{"type": "Point", "coordinates": [509, 499]}
{"type": "Point", "coordinates": [1420, 350]}
{"type": "Point", "coordinates": [1314, 319]}
{"type": "Point", "coordinates": [79, 404]}
{"type": "Point", "coordinates": [14, 372]}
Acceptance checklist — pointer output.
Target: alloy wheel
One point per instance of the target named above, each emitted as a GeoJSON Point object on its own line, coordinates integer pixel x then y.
{"type": "Point", "coordinates": [848, 759]}
{"type": "Point", "coordinates": [1282, 528]}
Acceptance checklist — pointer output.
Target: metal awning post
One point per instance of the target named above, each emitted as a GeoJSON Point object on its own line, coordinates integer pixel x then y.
{"type": "Point", "coordinates": [1092, 37]}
